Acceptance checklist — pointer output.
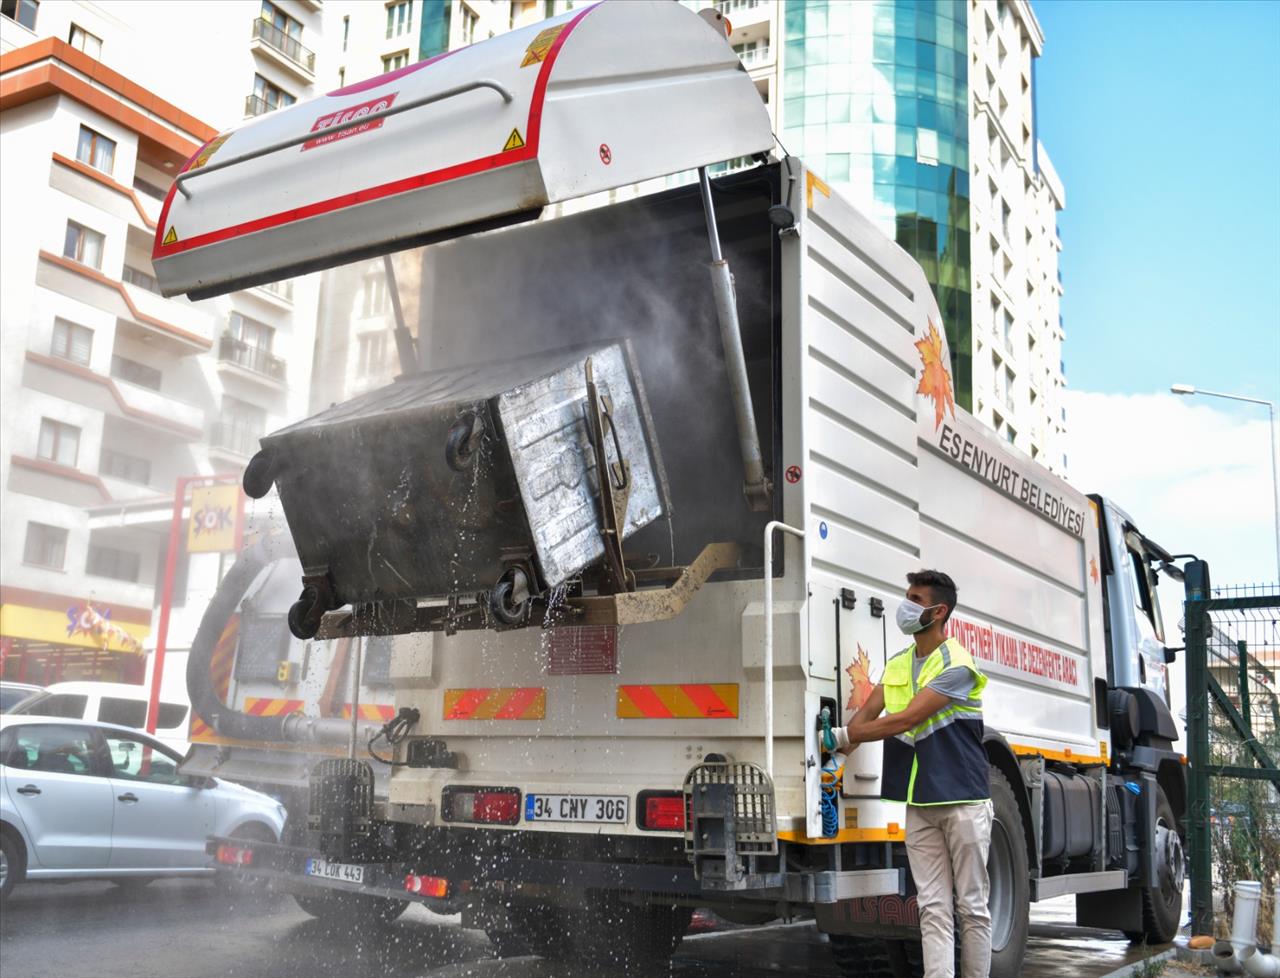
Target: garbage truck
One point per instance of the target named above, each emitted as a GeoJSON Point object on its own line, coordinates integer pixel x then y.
{"type": "Point", "coordinates": [551, 624]}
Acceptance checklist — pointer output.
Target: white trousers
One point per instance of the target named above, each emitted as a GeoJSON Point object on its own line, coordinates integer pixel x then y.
{"type": "Point", "coordinates": [947, 848]}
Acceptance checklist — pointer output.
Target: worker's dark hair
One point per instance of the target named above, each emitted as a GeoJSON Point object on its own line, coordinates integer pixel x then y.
{"type": "Point", "coordinates": [940, 585]}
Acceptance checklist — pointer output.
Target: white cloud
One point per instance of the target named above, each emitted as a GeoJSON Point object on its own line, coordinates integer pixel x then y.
{"type": "Point", "coordinates": [1195, 477]}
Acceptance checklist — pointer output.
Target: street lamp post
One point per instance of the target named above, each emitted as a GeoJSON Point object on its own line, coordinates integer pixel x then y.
{"type": "Point", "coordinates": [1275, 479]}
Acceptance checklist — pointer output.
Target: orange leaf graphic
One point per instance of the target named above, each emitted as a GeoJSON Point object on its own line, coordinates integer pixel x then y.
{"type": "Point", "coordinates": [860, 684]}
{"type": "Point", "coordinates": [935, 379]}
{"type": "Point", "coordinates": [1093, 569]}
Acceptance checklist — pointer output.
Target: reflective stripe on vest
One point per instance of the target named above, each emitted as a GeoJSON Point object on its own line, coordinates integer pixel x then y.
{"type": "Point", "coordinates": [941, 760]}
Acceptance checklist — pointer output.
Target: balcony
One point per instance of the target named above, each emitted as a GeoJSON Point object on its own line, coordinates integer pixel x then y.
{"type": "Point", "coordinates": [284, 50]}
{"type": "Point", "coordinates": [754, 57]}
{"type": "Point", "coordinates": [141, 407]}
{"type": "Point", "coordinates": [745, 14]}
{"type": "Point", "coordinates": [255, 106]}
{"type": "Point", "coordinates": [254, 359]}
{"type": "Point", "coordinates": [234, 438]}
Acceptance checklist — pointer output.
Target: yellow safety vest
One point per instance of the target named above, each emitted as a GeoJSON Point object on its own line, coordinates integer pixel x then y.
{"type": "Point", "coordinates": [941, 761]}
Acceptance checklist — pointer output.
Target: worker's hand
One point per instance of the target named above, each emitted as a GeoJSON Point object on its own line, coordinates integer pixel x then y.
{"type": "Point", "coordinates": [843, 744]}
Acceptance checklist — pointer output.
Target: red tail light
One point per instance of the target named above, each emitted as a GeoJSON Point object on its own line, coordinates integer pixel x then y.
{"type": "Point", "coordinates": [661, 811]}
{"type": "Point", "coordinates": [490, 806]}
{"type": "Point", "coordinates": [428, 886]}
{"type": "Point", "coordinates": [234, 856]}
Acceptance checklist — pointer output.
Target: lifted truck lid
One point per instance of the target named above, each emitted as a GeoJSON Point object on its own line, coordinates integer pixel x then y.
{"type": "Point", "coordinates": [487, 135]}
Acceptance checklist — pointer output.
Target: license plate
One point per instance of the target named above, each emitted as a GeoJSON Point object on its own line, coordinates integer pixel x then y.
{"type": "Point", "coordinates": [346, 872]}
{"type": "Point", "coordinates": [576, 808]}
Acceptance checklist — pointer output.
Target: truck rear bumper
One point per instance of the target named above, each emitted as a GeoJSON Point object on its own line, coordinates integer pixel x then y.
{"type": "Point", "coordinates": [287, 865]}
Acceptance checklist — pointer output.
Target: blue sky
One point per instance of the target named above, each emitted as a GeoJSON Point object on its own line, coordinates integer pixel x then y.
{"type": "Point", "coordinates": [1163, 120]}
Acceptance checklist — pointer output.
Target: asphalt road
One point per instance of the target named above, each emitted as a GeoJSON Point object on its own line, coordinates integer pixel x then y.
{"type": "Point", "coordinates": [193, 929]}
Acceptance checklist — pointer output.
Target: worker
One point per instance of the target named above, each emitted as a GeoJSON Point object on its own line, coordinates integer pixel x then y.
{"type": "Point", "coordinates": [931, 694]}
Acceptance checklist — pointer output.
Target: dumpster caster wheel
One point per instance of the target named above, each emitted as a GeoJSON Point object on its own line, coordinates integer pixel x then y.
{"type": "Point", "coordinates": [509, 599]}
{"type": "Point", "coordinates": [306, 613]}
{"type": "Point", "coordinates": [259, 474]}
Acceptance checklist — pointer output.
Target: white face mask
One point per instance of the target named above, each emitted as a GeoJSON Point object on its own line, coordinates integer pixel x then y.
{"type": "Point", "coordinates": [911, 616]}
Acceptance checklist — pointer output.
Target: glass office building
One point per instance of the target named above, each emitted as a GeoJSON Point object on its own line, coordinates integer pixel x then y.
{"type": "Point", "coordinates": [875, 98]}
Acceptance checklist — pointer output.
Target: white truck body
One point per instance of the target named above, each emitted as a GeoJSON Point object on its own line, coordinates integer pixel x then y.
{"type": "Point", "coordinates": [875, 473]}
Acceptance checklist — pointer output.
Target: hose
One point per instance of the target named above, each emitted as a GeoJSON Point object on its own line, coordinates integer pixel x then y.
{"type": "Point", "coordinates": [205, 701]}
{"type": "Point", "coordinates": [829, 799]}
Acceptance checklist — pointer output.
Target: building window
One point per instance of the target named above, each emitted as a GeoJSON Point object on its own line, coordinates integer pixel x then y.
{"type": "Point", "coordinates": [82, 40]}
{"type": "Point", "coordinates": [250, 331]}
{"type": "Point", "coordinates": [1011, 435]}
{"type": "Point", "coordinates": [72, 341]}
{"type": "Point", "coordinates": [96, 150]}
{"type": "Point", "coordinates": [281, 21]}
{"type": "Point", "coordinates": [239, 426]}
{"type": "Point", "coordinates": [150, 189]}
{"type": "Point", "coordinates": [23, 11]}
{"type": "Point", "coordinates": [399, 18]}
{"type": "Point", "coordinates": [122, 368]}
{"type": "Point", "coordinates": [83, 245]}
{"type": "Point", "coordinates": [372, 357]}
{"type": "Point", "coordinates": [141, 279]}
{"type": "Point", "coordinates": [269, 97]}
{"type": "Point", "coordinates": [375, 296]}
{"type": "Point", "coordinates": [46, 546]}
{"type": "Point", "coordinates": [130, 468]}
{"type": "Point", "coordinates": [120, 565]}
{"type": "Point", "coordinates": [391, 62]}
{"type": "Point", "coordinates": [58, 442]}
{"type": "Point", "coordinates": [470, 21]}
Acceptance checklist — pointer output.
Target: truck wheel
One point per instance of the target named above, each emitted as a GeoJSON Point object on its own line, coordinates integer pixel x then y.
{"type": "Point", "coordinates": [1162, 903]}
{"type": "Point", "coordinates": [350, 909]}
{"type": "Point", "coordinates": [1010, 899]}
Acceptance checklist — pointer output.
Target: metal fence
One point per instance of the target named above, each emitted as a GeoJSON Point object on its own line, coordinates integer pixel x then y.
{"type": "Point", "coordinates": [1233, 734]}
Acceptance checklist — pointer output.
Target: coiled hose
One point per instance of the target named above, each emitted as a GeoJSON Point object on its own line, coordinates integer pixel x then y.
{"type": "Point", "coordinates": [205, 701]}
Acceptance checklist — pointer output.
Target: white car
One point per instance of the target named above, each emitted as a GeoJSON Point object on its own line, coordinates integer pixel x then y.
{"type": "Point", "coordinates": [82, 800]}
{"type": "Point", "coordinates": [123, 704]}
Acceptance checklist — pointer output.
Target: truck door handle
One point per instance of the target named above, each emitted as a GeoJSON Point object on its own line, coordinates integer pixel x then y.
{"type": "Point", "coordinates": [127, 796]}
{"type": "Point", "coordinates": [28, 789]}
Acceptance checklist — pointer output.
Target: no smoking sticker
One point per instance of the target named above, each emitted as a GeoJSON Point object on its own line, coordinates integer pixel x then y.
{"type": "Point", "coordinates": [606, 154]}
{"type": "Point", "coordinates": [793, 474]}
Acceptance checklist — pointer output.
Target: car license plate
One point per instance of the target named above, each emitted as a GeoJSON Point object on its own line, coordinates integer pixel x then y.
{"type": "Point", "coordinates": [346, 872]}
{"type": "Point", "coordinates": [576, 808]}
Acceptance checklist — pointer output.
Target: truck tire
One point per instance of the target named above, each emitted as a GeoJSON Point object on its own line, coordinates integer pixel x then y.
{"type": "Point", "coordinates": [1162, 903]}
{"type": "Point", "coordinates": [610, 932]}
{"type": "Point", "coordinates": [1010, 899]}
{"type": "Point", "coordinates": [350, 909]}
{"type": "Point", "coordinates": [1010, 903]}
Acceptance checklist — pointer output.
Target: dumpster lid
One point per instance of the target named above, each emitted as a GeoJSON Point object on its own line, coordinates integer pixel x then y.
{"type": "Point", "coordinates": [613, 94]}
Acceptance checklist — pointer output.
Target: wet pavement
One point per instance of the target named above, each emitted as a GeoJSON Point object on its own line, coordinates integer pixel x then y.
{"type": "Point", "coordinates": [194, 929]}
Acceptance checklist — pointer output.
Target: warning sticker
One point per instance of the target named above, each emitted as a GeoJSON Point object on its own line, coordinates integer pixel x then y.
{"type": "Point", "coordinates": [170, 236]}
{"type": "Point", "coordinates": [514, 141]}
{"type": "Point", "coordinates": [210, 148]}
{"type": "Point", "coordinates": [349, 115]}
{"type": "Point", "coordinates": [537, 51]}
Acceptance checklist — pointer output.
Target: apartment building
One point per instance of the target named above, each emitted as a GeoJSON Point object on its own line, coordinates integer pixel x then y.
{"type": "Point", "coordinates": [110, 392]}
{"type": "Point", "coordinates": [1014, 198]}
